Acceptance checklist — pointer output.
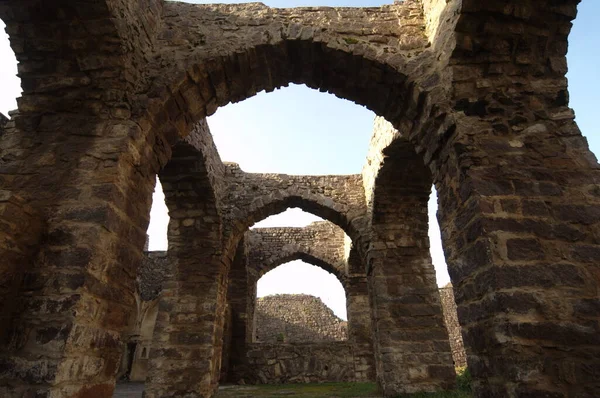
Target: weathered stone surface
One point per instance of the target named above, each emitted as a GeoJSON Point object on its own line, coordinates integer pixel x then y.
{"type": "Point", "coordinates": [451, 321]}
{"type": "Point", "coordinates": [478, 104]}
{"type": "Point", "coordinates": [320, 243]}
{"type": "Point", "coordinates": [152, 274]}
{"type": "Point", "coordinates": [296, 318]}
{"type": "Point", "coordinates": [300, 363]}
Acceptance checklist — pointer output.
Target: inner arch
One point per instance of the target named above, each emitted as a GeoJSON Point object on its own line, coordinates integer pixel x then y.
{"type": "Point", "coordinates": [298, 277]}
{"type": "Point", "coordinates": [295, 130]}
{"type": "Point", "coordinates": [374, 76]}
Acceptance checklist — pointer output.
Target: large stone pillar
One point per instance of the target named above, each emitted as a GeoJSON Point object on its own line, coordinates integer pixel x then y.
{"type": "Point", "coordinates": [75, 153]}
{"type": "Point", "coordinates": [186, 349]}
{"type": "Point", "coordinates": [76, 297]}
{"type": "Point", "coordinates": [360, 332]}
{"type": "Point", "coordinates": [520, 206]}
{"type": "Point", "coordinates": [20, 233]}
{"type": "Point", "coordinates": [411, 342]}
{"type": "Point", "coordinates": [239, 296]}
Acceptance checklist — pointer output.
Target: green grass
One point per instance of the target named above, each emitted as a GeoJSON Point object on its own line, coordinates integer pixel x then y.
{"type": "Point", "coordinates": [444, 394]}
{"type": "Point", "coordinates": [337, 390]}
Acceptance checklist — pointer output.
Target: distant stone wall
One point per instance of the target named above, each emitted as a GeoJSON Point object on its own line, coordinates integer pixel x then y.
{"type": "Point", "coordinates": [301, 363]}
{"type": "Point", "coordinates": [152, 274]}
{"type": "Point", "coordinates": [451, 320]}
{"type": "Point", "coordinates": [296, 318]}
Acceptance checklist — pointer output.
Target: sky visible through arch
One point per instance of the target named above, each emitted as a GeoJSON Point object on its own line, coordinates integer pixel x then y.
{"type": "Point", "coordinates": [297, 130]}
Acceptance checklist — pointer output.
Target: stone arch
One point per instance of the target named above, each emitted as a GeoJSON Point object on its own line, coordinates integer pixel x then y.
{"type": "Point", "coordinates": [308, 256]}
{"type": "Point", "coordinates": [313, 203]}
{"type": "Point", "coordinates": [251, 197]}
{"type": "Point", "coordinates": [316, 204]}
{"type": "Point", "coordinates": [324, 265]}
{"type": "Point", "coordinates": [400, 266]}
{"type": "Point", "coordinates": [190, 180]}
{"type": "Point", "coordinates": [190, 84]}
{"type": "Point", "coordinates": [194, 87]}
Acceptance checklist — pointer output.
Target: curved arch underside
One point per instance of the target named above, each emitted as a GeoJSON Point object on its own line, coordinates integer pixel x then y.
{"type": "Point", "coordinates": [224, 56]}
{"type": "Point", "coordinates": [326, 264]}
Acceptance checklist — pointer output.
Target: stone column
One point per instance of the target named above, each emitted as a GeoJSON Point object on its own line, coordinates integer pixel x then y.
{"type": "Point", "coordinates": [238, 297]}
{"type": "Point", "coordinates": [186, 349]}
{"type": "Point", "coordinates": [520, 206]}
{"type": "Point", "coordinates": [76, 153]}
{"type": "Point", "coordinates": [411, 342]}
{"type": "Point", "coordinates": [360, 332]}
{"type": "Point", "coordinates": [64, 337]}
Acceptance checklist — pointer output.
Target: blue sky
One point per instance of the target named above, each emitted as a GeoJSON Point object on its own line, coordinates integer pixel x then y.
{"type": "Point", "coordinates": [297, 130]}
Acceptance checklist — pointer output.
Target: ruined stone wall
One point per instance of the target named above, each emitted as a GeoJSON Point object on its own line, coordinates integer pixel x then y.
{"type": "Point", "coordinates": [301, 363]}
{"type": "Point", "coordinates": [459, 354]}
{"type": "Point", "coordinates": [297, 318]}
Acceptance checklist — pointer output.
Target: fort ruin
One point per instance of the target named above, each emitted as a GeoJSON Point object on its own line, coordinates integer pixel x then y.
{"type": "Point", "coordinates": [472, 98]}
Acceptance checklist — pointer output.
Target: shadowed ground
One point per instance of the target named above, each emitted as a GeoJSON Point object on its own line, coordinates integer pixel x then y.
{"type": "Point", "coordinates": [325, 390]}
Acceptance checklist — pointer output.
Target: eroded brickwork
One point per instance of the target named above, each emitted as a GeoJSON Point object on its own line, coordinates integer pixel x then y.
{"type": "Point", "coordinates": [114, 93]}
{"type": "Point", "coordinates": [301, 363]}
{"type": "Point", "coordinates": [20, 232]}
{"type": "Point", "coordinates": [297, 318]}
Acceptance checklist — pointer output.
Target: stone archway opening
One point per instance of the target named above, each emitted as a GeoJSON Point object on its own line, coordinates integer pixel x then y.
{"type": "Point", "coordinates": [300, 302]}
{"type": "Point", "coordinates": [268, 132]}
{"type": "Point", "coordinates": [262, 255]}
{"type": "Point", "coordinates": [299, 277]}
{"type": "Point", "coordinates": [291, 217]}
{"type": "Point", "coordinates": [159, 221]}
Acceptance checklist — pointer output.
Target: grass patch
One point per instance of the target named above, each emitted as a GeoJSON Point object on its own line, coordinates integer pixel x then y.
{"type": "Point", "coordinates": [350, 40]}
{"type": "Point", "coordinates": [337, 390]}
{"type": "Point", "coordinates": [443, 394]}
